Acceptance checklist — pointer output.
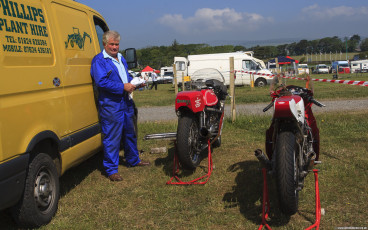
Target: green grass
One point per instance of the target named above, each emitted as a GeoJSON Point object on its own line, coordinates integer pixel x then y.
{"type": "Point", "coordinates": [232, 197]}
{"type": "Point", "coordinates": [165, 95]}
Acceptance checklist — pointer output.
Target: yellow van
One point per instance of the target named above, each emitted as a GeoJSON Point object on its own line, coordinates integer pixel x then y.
{"type": "Point", "coordinates": [48, 117]}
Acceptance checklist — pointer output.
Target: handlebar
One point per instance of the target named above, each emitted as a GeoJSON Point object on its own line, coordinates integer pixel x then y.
{"type": "Point", "coordinates": [317, 103]}
{"type": "Point", "coordinates": [268, 107]}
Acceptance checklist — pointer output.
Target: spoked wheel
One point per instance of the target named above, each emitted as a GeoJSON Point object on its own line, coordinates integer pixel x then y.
{"type": "Point", "coordinates": [287, 172]}
{"type": "Point", "coordinates": [188, 144]}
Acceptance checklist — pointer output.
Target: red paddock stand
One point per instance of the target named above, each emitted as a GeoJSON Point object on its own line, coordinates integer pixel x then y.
{"type": "Point", "coordinates": [266, 202]}
{"type": "Point", "coordinates": [176, 166]}
{"type": "Point", "coordinates": [201, 180]}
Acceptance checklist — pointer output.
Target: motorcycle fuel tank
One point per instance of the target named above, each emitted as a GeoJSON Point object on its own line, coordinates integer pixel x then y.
{"type": "Point", "coordinates": [209, 97]}
{"type": "Point", "coordinates": [289, 106]}
{"type": "Point", "coordinates": [191, 99]}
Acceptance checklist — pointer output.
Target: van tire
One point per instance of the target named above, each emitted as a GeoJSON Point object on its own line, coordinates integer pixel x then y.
{"type": "Point", "coordinates": [39, 202]}
{"type": "Point", "coordinates": [261, 82]}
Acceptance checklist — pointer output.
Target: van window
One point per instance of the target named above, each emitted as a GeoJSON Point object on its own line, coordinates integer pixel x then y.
{"type": "Point", "coordinates": [180, 66]}
{"type": "Point", "coordinates": [248, 64]}
{"type": "Point", "coordinates": [168, 74]}
{"type": "Point", "coordinates": [101, 28]}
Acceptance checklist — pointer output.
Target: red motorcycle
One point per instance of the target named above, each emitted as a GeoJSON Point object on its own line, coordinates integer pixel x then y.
{"type": "Point", "coordinates": [292, 141]}
{"type": "Point", "coordinates": [200, 114]}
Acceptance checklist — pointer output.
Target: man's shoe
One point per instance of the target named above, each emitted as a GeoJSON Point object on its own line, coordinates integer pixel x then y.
{"type": "Point", "coordinates": [143, 163]}
{"type": "Point", "coordinates": [115, 177]}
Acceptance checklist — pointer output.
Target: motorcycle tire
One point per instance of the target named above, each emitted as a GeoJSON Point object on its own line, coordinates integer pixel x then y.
{"type": "Point", "coordinates": [188, 141]}
{"type": "Point", "coordinates": [287, 172]}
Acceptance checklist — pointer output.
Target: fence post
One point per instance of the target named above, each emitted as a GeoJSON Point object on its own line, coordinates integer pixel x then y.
{"type": "Point", "coordinates": [182, 82]}
{"type": "Point", "coordinates": [277, 65]}
{"type": "Point", "coordinates": [232, 89]}
{"type": "Point", "coordinates": [175, 79]}
{"type": "Point", "coordinates": [252, 80]}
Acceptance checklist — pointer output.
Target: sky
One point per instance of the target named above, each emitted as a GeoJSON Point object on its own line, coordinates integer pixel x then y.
{"type": "Point", "coordinates": [146, 23]}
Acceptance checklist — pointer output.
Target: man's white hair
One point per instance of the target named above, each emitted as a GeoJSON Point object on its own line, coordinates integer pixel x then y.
{"type": "Point", "coordinates": [111, 34]}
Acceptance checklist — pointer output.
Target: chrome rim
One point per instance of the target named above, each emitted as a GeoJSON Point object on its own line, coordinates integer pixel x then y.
{"type": "Point", "coordinates": [44, 189]}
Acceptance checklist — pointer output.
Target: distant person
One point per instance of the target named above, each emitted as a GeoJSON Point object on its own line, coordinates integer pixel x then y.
{"type": "Point", "coordinates": [116, 108]}
{"type": "Point", "coordinates": [145, 77]}
{"type": "Point", "coordinates": [154, 80]}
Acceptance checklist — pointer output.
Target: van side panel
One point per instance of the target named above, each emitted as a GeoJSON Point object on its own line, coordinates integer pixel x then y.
{"type": "Point", "coordinates": [31, 91]}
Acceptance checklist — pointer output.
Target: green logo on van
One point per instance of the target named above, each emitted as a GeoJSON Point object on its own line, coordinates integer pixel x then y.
{"type": "Point", "coordinates": [77, 39]}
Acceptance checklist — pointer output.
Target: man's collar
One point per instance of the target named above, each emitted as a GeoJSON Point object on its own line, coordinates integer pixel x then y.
{"type": "Point", "coordinates": [106, 55]}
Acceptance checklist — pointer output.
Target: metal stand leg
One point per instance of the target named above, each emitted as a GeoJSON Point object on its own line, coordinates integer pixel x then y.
{"type": "Point", "coordinates": [318, 202]}
{"type": "Point", "coordinates": [266, 202]}
{"type": "Point", "coordinates": [176, 168]}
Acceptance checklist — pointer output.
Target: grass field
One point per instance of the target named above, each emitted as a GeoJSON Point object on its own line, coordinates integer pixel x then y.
{"type": "Point", "coordinates": [165, 95]}
{"type": "Point", "coordinates": [232, 197]}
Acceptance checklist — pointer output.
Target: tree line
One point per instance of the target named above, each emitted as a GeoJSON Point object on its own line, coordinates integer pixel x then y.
{"type": "Point", "coordinates": [159, 56]}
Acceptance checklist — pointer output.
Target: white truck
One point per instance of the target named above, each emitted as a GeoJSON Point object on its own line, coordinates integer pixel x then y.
{"type": "Point", "coordinates": [359, 66]}
{"type": "Point", "coordinates": [245, 65]}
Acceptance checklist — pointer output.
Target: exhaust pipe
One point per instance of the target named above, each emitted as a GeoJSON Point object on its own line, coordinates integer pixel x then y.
{"type": "Point", "coordinates": [263, 159]}
{"type": "Point", "coordinates": [204, 132]}
{"type": "Point", "coordinates": [171, 136]}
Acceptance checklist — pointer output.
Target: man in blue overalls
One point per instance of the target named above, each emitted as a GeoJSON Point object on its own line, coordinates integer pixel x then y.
{"type": "Point", "coordinates": [116, 109]}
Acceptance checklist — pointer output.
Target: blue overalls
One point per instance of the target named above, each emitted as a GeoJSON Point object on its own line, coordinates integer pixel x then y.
{"type": "Point", "coordinates": [116, 111]}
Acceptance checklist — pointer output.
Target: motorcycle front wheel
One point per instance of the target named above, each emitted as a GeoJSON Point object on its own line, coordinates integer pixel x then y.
{"type": "Point", "coordinates": [287, 172]}
{"type": "Point", "coordinates": [188, 141]}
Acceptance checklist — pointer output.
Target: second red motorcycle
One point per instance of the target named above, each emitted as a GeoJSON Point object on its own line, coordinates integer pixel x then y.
{"type": "Point", "coordinates": [200, 114]}
{"type": "Point", "coordinates": [292, 141]}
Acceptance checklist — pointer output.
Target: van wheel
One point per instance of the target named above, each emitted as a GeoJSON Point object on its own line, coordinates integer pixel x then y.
{"type": "Point", "coordinates": [260, 82]}
{"type": "Point", "coordinates": [41, 194]}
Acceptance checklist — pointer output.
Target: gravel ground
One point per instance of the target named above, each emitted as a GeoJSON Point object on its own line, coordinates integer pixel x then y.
{"type": "Point", "coordinates": [165, 113]}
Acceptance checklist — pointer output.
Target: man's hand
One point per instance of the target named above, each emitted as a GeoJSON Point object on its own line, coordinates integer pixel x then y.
{"type": "Point", "coordinates": [129, 87]}
{"type": "Point", "coordinates": [141, 85]}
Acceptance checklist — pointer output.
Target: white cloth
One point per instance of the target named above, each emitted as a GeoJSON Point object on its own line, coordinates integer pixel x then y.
{"type": "Point", "coordinates": [154, 76]}
{"type": "Point", "coordinates": [137, 81]}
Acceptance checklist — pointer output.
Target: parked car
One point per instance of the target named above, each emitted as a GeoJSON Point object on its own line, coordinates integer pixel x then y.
{"type": "Point", "coordinates": [303, 69]}
{"type": "Point", "coordinates": [321, 68]}
{"type": "Point", "coordinates": [168, 77]}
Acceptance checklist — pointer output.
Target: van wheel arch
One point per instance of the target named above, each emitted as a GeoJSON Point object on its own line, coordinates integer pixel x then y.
{"type": "Point", "coordinates": [46, 142]}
